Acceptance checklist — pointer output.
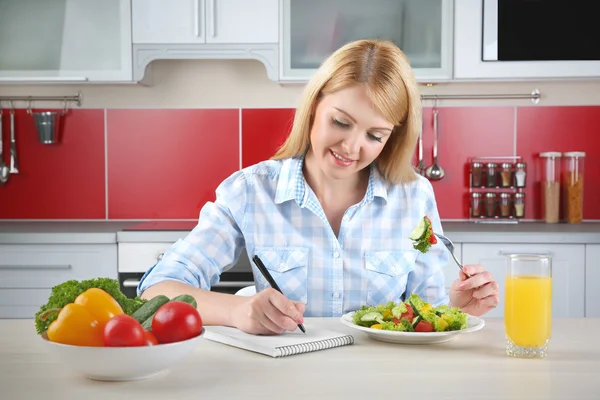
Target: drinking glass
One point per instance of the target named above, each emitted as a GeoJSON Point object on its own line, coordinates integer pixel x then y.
{"type": "Point", "coordinates": [528, 305]}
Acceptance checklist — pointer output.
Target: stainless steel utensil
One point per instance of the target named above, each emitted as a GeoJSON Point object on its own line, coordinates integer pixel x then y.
{"type": "Point", "coordinates": [450, 246]}
{"type": "Point", "coordinates": [14, 166]}
{"type": "Point", "coordinates": [435, 172]}
{"type": "Point", "coordinates": [4, 171]}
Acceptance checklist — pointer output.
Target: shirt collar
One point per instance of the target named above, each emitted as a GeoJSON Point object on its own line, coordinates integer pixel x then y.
{"type": "Point", "coordinates": [292, 185]}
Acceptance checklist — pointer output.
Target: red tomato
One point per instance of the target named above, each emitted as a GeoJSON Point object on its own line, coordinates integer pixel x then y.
{"type": "Point", "coordinates": [424, 326]}
{"type": "Point", "coordinates": [432, 239]}
{"type": "Point", "coordinates": [176, 321]}
{"type": "Point", "coordinates": [123, 330]}
{"type": "Point", "coordinates": [150, 339]}
{"type": "Point", "coordinates": [409, 314]}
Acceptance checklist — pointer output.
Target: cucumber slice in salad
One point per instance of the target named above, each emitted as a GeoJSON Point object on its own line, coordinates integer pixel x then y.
{"type": "Point", "coordinates": [420, 230]}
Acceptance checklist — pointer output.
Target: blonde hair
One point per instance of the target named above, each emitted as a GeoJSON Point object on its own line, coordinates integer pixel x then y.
{"type": "Point", "coordinates": [389, 79]}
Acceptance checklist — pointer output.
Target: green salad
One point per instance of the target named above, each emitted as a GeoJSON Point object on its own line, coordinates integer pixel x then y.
{"type": "Point", "coordinates": [413, 315]}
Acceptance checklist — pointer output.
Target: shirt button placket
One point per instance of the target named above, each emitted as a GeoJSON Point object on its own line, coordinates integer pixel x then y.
{"type": "Point", "coordinates": [338, 282]}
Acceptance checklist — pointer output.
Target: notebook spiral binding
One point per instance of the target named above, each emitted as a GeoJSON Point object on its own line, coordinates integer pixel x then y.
{"type": "Point", "coordinates": [314, 346]}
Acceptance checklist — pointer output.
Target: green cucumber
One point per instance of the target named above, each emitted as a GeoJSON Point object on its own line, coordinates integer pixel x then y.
{"type": "Point", "coordinates": [420, 230]}
{"type": "Point", "coordinates": [148, 309]}
{"type": "Point", "coordinates": [186, 298]}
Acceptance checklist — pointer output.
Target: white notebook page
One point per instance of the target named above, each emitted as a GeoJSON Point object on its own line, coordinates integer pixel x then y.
{"type": "Point", "coordinates": [287, 343]}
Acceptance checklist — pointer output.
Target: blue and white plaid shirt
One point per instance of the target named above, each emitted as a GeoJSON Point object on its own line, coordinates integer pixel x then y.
{"type": "Point", "coordinates": [269, 209]}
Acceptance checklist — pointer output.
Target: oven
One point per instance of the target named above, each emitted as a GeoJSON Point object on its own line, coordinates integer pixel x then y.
{"type": "Point", "coordinates": [137, 253]}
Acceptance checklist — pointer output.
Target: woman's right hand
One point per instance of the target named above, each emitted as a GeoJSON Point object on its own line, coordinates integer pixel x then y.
{"type": "Point", "coordinates": [267, 313]}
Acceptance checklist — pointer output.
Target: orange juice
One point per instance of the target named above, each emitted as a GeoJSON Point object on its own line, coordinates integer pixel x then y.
{"type": "Point", "coordinates": [528, 309]}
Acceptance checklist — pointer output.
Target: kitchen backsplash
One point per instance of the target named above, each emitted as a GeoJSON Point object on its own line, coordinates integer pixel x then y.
{"type": "Point", "coordinates": [162, 163]}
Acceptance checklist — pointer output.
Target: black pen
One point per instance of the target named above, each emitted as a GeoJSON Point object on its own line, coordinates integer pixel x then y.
{"type": "Point", "coordinates": [269, 278]}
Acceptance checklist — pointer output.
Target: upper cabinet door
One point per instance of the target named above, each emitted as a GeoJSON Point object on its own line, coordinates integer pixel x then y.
{"type": "Point", "coordinates": [313, 29]}
{"type": "Point", "coordinates": [65, 40]}
{"type": "Point", "coordinates": [242, 21]}
{"type": "Point", "coordinates": [205, 21]}
{"type": "Point", "coordinates": [168, 21]}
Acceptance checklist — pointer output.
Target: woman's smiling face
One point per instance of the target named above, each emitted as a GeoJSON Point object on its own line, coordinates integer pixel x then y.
{"type": "Point", "coordinates": [348, 133]}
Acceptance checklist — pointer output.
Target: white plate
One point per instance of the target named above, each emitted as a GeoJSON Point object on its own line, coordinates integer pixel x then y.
{"type": "Point", "coordinates": [474, 324]}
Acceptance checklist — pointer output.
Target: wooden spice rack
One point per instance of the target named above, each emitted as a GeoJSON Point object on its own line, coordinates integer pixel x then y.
{"type": "Point", "coordinates": [497, 189]}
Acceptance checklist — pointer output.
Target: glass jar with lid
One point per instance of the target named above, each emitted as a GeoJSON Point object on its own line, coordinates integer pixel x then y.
{"type": "Point", "coordinates": [476, 174]}
{"type": "Point", "coordinates": [520, 174]}
{"type": "Point", "coordinates": [476, 205]}
{"type": "Point", "coordinates": [506, 180]}
{"type": "Point", "coordinates": [491, 175]}
{"type": "Point", "coordinates": [519, 205]}
{"type": "Point", "coordinates": [505, 205]}
{"type": "Point", "coordinates": [550, 186]}
{"type": "Point", "coordinates": [490, 205]}
{"type": "Point", "coordinates": [572, 178]}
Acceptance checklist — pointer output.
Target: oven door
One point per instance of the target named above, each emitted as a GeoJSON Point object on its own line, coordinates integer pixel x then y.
{"type": "Point", "coordinates": [540, 30]}
{"type": "Point", "coordinates": [231, 282]}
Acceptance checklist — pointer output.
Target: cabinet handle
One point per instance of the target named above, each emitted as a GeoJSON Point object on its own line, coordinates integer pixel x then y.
{"type": "Point", "coordinates": [213, 27]}
{"type": "Point", "coordinates": [131, 283]}
{"type": "Point", "coordinates": [232, 284]}
{"type": "Point", "coordinates": [37, 267]}
{"type": "Point", "coordinates": [43, 78]}
{"type": "Point", "coordinates": [198, 18]}
{"type": "Point", "coordinates": [508, 253]}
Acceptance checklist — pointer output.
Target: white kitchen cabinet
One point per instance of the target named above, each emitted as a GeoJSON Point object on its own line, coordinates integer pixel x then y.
{"type": "Point", "coordinates": [313, 29]}
{"type": "Point", "coordinates": [568, 272]}
{"type": "Point", "coordinates": [29, 271]}
{"type": "Point", "coordinates": [468, 54]}
{"type": "Point", "coordinates": [592, 280]}
{"type": "Point", "coordinates": [65, 41]}
{"type": "Point", "coordinates": [205, 21]}
{"type": "Point", "coordinates": [205, 30]}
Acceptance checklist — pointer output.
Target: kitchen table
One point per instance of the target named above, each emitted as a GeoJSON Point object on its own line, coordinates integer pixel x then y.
{"type": "Point", "coordinates": [473, 366]}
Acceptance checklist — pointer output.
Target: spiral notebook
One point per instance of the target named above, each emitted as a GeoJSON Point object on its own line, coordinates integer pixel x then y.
{"type": "Point", "coordinates": [286, 344]}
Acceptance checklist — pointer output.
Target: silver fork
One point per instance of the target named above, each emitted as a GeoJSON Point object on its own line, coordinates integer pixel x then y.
{"type": "Point", "coordinates": [450, 246]}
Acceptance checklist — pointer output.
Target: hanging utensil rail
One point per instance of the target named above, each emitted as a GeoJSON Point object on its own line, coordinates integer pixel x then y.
{"type": "Point", "coordinates": [534, 96]}
{"type": "Point", "coordinates": [78, 98]}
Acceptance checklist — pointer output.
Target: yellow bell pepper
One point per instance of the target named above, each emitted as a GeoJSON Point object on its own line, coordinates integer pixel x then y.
{"type": "Point", "coordinates": [82, 322]}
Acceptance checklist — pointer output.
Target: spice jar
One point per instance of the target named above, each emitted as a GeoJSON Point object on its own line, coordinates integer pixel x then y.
{"type": "Point", "coordinates": [519, 205]}
{"type": "Point", "coordinates": [550, 186]}
{"type": "Point", "coordinates": [505, 175]}
{"type": "Point", "coordinates": [476, 205]}
{"type": "Point", "coordinates": [491, 175]}
{"type": "Point", "coordinates": [520, 174]}
{"type": "Point", "coordinates": [505, 211]}
{"type": "Point", "coordinates": [476, 174]}
{"type": "Point", "coordinates": [490, 205]}
{"type": "Point", "coordinates": [572, 181]}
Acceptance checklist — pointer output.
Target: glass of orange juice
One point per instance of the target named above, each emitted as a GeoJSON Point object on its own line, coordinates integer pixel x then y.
{"type": "Point", "coordinates": [528, 305]}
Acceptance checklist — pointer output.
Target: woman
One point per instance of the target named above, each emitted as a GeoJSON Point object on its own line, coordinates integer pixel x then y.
{"type": "Point", "coordinates": [330, 214]}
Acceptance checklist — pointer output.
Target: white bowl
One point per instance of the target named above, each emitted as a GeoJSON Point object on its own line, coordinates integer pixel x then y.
{"type": "Point", "coordinates": [122, 363]}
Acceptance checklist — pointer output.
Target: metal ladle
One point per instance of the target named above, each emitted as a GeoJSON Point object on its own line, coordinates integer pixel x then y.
{"type": "Point", "coordinates": [4, 171]}
{"type": "Point", "coordinates": [435, 172]}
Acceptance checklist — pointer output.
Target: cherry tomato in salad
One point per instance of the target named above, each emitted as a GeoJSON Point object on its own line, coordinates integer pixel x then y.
{"type": "Point", "coordinates": [176, 321]}
{"type": "Point", "coordinates": [150, 338]}
{"type": "Point", "coordinates": [432, 239]}
{"type": "Point", "coordinates": [123, 331]}
{"type": "Point", "coordinates": [409, 314]}
{"type": "Point", "coordinates": [424, 326]}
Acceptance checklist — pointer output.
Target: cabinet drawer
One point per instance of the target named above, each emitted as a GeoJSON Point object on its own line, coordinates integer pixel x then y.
{"type": "Point", "coordinates": [42, 266]}
{"type": "Point", "coordinates": [139, 257]}
{"type": "Point", "coordinates": [22, 303]}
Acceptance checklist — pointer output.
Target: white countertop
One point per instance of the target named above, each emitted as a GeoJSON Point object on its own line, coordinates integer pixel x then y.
{"type": "Point", "coordinates": [473, 366]}
{"type": "Point", "coordinates": [76, 232]}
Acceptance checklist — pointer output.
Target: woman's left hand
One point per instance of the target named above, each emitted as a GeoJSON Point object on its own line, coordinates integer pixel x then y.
{"type": "Point", "coordinates": [475, 295]}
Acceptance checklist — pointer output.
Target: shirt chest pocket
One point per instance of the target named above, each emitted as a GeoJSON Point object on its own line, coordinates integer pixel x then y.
{"type": "Point", "coordinates": [289, 268]}
{"type": "Point", "coordinates": [387, 275]}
